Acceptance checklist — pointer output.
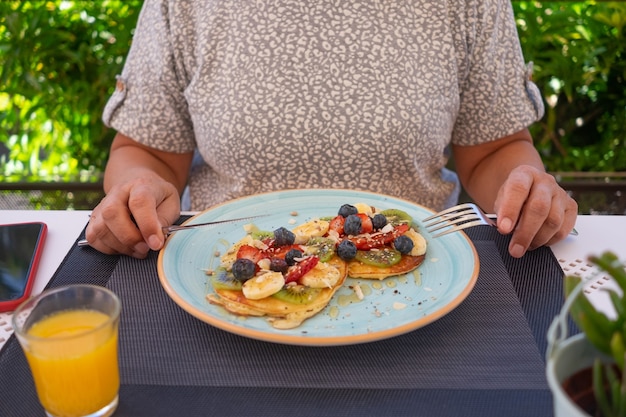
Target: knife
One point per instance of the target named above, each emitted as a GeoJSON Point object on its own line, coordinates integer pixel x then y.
{"type": "Point", "coordinates": [168, 230]}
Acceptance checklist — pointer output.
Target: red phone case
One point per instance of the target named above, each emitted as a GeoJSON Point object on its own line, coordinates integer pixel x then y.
{"type": "Point", "coordinates": [32, 271]}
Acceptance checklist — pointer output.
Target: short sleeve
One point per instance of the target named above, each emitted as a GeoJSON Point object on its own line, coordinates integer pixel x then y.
{"type": "Point", "coordinates": [148, 104]}
{"type": "Point", "coordinates": [497, 95]}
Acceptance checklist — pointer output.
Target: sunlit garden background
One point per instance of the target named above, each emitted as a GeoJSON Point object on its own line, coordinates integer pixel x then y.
{"type": "Point", "coordinates": [58, 61]}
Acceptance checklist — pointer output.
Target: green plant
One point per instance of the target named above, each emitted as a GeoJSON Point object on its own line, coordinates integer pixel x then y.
{"type": "Point", "coordinates": [608, 335]}
{"type": "Point", "coordinates": [579, 53]}
{"type": "Point", "coordinates": [58, 61]}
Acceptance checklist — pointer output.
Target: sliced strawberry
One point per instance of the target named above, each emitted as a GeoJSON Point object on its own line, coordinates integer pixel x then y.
{"type": "Point", "coordinates": [280, 251]}
{"type": "Point", "coordinates": [377, 240]}
{"type": "Point", "coordinates": [298, 270]}
{"type": "Point", "coordinates": [336, 224]}
{"type": "Point", "coordinates": [366, 223]}
{"type": "Point", "coordinates": [250, 252]}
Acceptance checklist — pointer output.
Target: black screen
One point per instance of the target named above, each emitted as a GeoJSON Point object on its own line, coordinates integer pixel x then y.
{"type": "Point", "coordinates": [17, 248]}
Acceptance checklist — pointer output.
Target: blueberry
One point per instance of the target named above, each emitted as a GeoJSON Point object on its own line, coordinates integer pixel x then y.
{"type": "Point", "coordinates": [283, 237]}
{"type": "Point", "coordinates": [293, 253]}
{"type": "Point", "coordinates": [403, 244]}
{"type": "Point", "coordinates": [352, 225]}
{"type": "Point", "coordinates": [243, 269]}
{"type": "Point", "coordinates": [379, 221]}
{"type": "Point", "coordinates": [346, 250]}
{"type": "Point", "coordinates": [278, 265]}
{"type": "Point", "coordinates": [347, 209]}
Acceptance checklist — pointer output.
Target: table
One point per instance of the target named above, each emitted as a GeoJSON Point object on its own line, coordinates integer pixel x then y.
{"type": "Point", "coordinates": [246, 391]}
{"type": "Point", "coordinates": [597, 234]}
{"type": "Point", "coordinates": [63, 227]}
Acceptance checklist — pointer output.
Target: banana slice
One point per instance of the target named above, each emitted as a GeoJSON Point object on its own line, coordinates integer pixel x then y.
{"type": "Point", "coordinates": [322, 276]}
{"type": "Point", "coordinates": [231, 256]}
{"type": "Point", "coordinates": [419, 243]}
{"type": "Point", "coordinates": [263, 285]}
{"type": "Point", "coordinates": [364, 208]}
{"type": "Point", "coordinates": [264, 264]}
{"type": "Point", "coordinates": [313, 228]}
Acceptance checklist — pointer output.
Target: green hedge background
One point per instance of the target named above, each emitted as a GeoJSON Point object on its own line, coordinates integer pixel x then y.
{"type": "Point", "coordinates": [59, 58]}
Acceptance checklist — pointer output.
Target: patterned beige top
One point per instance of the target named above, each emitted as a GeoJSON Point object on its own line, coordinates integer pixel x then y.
{"type": "Point", "coordinates": [346, 94]}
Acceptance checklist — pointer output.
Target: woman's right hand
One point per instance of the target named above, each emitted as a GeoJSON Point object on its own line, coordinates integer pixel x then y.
{"type": "Point", "coordinates": [143, 187]}
{"type": "Point", "coordinates": [129, 219]}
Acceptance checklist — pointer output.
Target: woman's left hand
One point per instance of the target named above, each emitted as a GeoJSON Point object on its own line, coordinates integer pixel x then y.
{"type": "Point", "coordinates": [532, 205]}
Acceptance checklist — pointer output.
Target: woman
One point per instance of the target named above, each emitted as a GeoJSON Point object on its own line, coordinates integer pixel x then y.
{"type": "Point", "coordinates": [325, 94]}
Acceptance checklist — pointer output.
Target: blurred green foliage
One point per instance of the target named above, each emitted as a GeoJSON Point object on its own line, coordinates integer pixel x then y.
{"type": "Point", "coordinates": [579, 55]}
{"type": "Point", "coordinates": [59, 58]}
{"type": "Point", "coordinates": [58, 61]}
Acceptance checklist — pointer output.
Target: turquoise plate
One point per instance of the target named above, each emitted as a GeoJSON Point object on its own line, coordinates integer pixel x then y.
{"type": "Point", "coordinates": [388, 308]}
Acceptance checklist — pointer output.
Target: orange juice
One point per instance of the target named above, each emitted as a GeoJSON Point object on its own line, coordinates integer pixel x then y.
{"type": "Point", "coordinates": [73, 358]}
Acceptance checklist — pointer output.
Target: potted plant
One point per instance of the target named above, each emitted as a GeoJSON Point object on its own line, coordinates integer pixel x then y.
{"type": "Point", "coordinates": [586, 371]}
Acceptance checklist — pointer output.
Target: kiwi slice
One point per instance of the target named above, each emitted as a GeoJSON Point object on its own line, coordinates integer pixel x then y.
{"type": "Point", "coordinates": [323, 248]}
{"type": "Point", "coordinates": [397, 216]}
{"type": "Point", "coordinates": [262, 235]}
{"type": "Point", "coordinates": [224, 280]}
{"type": "Point", "coordinates": [384, 257]}
{"type": "Point", "coordinates": [297, 294]}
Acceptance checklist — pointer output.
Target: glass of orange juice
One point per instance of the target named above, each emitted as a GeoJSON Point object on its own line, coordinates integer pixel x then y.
{"type": "Point", "coordinates": [69, 336]}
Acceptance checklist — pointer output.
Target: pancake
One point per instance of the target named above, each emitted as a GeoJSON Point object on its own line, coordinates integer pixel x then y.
{"type": "Point", "coordinates": [357, 269]}
{"type": "Point", "coordinates": [285, 313]}
{"type": "Point", "coordinates": [260, 276]}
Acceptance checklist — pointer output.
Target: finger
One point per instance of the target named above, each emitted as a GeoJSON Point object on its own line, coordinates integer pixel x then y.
{"type": "Point", "coordinates": [525, 237]}
{"type": "Point", "coordinates": [101, 238]}
{"type": "Point", "coordinates": [570, 214]}
{"type": "Point", "coordinates": [112, 229]}
{"type": "Point", "coordinates": [511, 199]}
{"type": "Point", "coordinates": [524, 203]}
{"type": "Point", "coordinates": [545, 218]}
{"type": "Point", "coordinates": [153, 207]}
{"type": "Point", "coordinates": [534, 233]}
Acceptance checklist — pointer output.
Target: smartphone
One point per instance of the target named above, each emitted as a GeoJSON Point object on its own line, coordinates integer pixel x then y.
{"type": "Point", "coordinates": [21, 245]}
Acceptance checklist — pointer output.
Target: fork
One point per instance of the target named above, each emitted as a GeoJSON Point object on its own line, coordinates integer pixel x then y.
{"type": "Point", "coordinates": [457, 218]}
{"type": "Point", "coordinates": [461, 217]}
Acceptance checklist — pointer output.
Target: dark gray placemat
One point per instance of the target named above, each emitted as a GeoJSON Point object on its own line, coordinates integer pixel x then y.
{"type": "Point", "coordinates": [536, 278]}
{"type": "Point", "coordinates": [485, 344]}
